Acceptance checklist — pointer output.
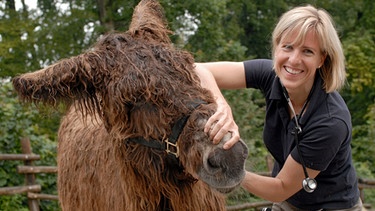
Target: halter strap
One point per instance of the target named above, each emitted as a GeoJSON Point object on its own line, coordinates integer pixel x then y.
{"type": "Point", "coordinates": [169, 144]}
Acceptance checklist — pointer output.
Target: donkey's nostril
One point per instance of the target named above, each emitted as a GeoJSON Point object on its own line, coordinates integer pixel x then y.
{"type": "Point", "coordinates": [215, 159]}
{"type": "Point", "coordinates": [213, 162]}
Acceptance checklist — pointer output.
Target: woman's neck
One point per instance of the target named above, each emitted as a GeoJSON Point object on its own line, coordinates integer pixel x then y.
{"type": "Point", "coordinates": [299, 100]}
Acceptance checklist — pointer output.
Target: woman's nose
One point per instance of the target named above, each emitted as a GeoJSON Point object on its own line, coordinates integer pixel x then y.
{"type": "Point", "coordinates": [295, 57]}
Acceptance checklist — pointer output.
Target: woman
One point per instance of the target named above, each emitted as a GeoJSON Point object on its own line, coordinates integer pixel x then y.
{"type": "Point", "coordinates": [307, 126]}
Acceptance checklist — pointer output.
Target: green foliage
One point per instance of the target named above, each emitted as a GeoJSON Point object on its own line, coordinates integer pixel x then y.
{"type": "Point", "coordinates": [248, 108]}
{"type": "Point", "coordinates": [10, 203]}
{"type": "Point", "coordinates": [359, 46]}
{"type": "Point", "coordinates": [359, 50]}
{"type": "Point", "coordinates": [254, 21]}
{"type": "Point", "coordinates": [249, 116]}
{"type": "Point", "coordinates": [17, 121]}
{"type": "Point", "coordinates": [16, 46]}
{"type": "Point", "coordinates": [32, 39]}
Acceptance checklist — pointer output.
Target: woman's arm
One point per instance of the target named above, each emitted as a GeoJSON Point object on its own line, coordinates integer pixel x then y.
{"type": "Point", "coordinates": [222, 75]}
{"type": "Point", "coordinates": [227, 75]}
{"type": "Point", "coordinates": [284, 185]}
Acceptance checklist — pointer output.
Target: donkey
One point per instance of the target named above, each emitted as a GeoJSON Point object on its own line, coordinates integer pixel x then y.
{"type": "Point", "coordinates": [132, 137]}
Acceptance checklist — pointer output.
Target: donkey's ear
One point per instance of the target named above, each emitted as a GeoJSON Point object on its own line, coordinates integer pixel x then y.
{"type": "Point", "coordinates": [64, 81]}
{"type": "Point", "coordinates": [149, 22]}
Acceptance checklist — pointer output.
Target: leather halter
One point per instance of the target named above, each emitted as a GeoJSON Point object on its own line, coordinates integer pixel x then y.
{"type": "Point", "coordinates": [169, 144]}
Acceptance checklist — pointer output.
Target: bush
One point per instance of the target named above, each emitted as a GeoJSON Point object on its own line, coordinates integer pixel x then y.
{"type": "Point", "coordinates": [17, 121]}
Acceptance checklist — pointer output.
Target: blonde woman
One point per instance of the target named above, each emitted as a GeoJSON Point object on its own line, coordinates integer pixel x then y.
{"type": "Point", "coordinates": [307, 124]}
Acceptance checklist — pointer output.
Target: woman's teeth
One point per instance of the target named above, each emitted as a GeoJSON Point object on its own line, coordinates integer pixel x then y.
{"type": "Point", "coordinates": [291, 71]}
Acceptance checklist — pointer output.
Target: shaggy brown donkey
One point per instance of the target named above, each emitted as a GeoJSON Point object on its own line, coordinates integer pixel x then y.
{"type": "Point", "coordinates": [130, 97]}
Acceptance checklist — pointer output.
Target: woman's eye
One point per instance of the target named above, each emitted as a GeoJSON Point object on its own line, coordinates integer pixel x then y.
{"type": "Point", "coordinates": [309, 52]}
{"type": "Point", "coordinates": [287, 47]}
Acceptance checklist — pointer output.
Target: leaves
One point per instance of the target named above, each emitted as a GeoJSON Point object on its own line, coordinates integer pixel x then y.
{"type": "Point", "coordinates": [17, 121]}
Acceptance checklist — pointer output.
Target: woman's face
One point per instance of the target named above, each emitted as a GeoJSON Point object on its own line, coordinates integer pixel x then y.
{"type": "Point", "coordinates": [296, 64]}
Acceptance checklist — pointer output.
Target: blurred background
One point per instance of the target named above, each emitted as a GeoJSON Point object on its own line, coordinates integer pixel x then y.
{"type": "Point", "coordinates": [37, 33]}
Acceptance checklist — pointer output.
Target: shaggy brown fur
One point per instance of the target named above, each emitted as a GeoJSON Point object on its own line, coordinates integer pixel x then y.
{"type": "Point", "coordinates": [134, 84]}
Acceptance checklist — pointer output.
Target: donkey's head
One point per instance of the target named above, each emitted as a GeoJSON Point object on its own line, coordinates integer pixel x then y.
{"type": "Point", "coordinates": [141, 85]}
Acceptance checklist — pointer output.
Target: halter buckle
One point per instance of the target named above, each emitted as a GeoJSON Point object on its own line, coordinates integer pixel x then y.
{"type": "Point", "coordinates": [170, 146]}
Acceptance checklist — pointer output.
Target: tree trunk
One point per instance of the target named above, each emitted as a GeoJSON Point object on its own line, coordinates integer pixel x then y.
{"type": "Point", "coordinates": [104, 17]}
{"type": "Point", "coordinates": [11, 5]}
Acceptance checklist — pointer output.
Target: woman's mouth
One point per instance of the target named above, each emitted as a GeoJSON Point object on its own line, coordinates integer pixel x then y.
{"type": "Point", "coordinates": [292, 71]}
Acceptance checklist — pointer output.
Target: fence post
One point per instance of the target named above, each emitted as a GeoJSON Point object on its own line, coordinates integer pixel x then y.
{"type": "Point", "coordinates": [30, 177]}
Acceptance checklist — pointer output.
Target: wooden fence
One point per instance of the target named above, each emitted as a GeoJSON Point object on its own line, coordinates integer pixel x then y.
{"type": "Point", "coordinates": [30, 187]}
{"type": "Point", "coordinates": [34, 194]}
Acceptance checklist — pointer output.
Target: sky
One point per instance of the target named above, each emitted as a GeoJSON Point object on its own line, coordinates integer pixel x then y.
{"type": "Point", "coordinates": [31, 3]}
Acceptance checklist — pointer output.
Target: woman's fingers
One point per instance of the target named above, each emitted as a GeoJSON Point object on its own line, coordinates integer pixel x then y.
{"type": "Point", "coordinates": [234, 139]}
{"type": "Point", "coordinates": [221, 123]}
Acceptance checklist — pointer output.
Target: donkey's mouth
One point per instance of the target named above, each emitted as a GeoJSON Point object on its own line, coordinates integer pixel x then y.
{"type": "Point", "coordinates": [226, 190]}
{"type": "Point", "coordinates": [223, 183]}
{"type": "Point", "coordinates": [224, 170]}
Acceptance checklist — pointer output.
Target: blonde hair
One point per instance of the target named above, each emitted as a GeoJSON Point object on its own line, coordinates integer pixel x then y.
{"type": "Point", "coordinates": [306, 18]}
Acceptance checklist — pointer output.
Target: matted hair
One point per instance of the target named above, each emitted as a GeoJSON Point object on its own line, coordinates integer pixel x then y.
{"type": "Point", "coordinates": [303, 19]}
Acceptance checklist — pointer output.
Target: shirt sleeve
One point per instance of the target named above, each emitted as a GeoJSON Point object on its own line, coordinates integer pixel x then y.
{"type": "Point", "coordinates": [259, 73]}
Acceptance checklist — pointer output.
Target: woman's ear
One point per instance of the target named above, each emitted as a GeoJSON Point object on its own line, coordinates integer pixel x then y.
{"type": "Point", "coordinates": [322, 59]}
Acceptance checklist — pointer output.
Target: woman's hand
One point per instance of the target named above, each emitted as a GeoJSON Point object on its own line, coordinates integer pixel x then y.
{"type": "Point", "coordinates": [221, 123]}
{"type": "Point", "coordinates": [226, 75]}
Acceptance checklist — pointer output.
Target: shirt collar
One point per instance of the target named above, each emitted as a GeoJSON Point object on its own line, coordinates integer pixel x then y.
{"type": "Point", "coordinates": [276, 90]}
{"type": "Point", "coordinates": [316, 97]}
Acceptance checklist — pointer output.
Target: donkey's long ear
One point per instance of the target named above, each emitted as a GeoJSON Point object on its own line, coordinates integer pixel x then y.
{"type": "Point", "coordinates": [65, 81]}
{"type": "Point", "coordinates": [149, 23]}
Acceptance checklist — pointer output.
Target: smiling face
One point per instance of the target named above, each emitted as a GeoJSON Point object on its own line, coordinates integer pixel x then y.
{"type": "Point", "coordinates": [296, 61]}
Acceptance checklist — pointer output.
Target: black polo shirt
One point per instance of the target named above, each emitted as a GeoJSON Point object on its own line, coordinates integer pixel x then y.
{"type": "Point", "coordinates": [324, 142]}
